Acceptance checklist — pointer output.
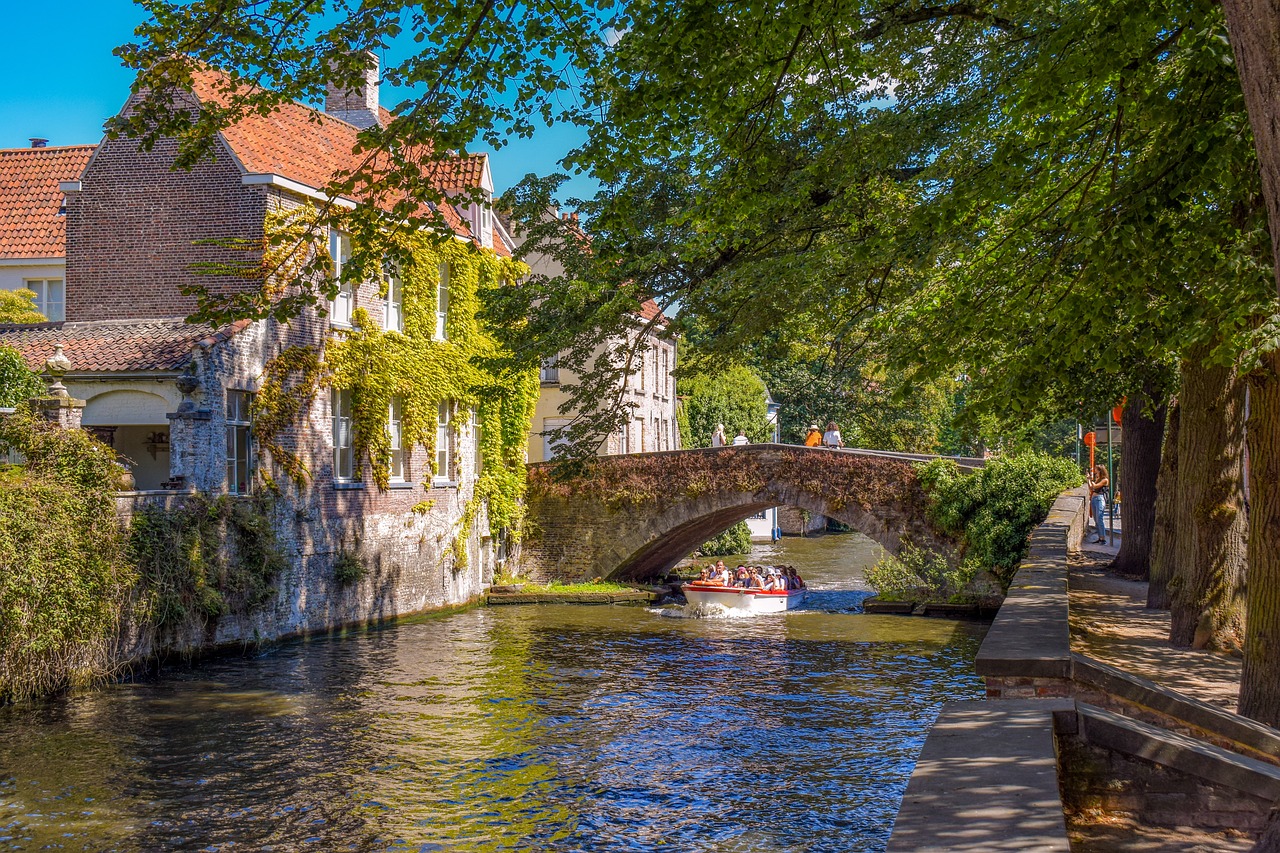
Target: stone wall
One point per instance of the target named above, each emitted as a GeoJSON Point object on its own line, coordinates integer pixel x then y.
{"type": "Point", "coordinates": [797, 522]}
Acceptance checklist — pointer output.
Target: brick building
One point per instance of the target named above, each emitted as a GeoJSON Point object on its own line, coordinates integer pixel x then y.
{"type": "Point", "coordinates": [175, 399]}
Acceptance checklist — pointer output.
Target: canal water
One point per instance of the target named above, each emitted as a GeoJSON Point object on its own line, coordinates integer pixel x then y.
{"type": "Point", "coordinates": [554, 728]}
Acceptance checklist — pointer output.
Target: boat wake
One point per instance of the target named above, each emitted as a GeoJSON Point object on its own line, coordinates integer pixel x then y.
{"type": "Point", "coordinates": [700, 611]}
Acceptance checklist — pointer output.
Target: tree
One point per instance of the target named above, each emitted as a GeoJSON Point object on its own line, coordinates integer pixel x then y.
{"type": "Point", "coordinates": [1164, 535]}
{"type": "Point", "coordinates": [1255, 30]}
{"type": "Point", "coordinates": [1208, 587]}
{"type": "Point", "coordinates": [18, 306]}
{"type": "Point", "coordinates": [735, 397]}
{"type": "Point", "coordinates": [18, 383]}
{"type": "Point", "coordinates": [1143, 424]}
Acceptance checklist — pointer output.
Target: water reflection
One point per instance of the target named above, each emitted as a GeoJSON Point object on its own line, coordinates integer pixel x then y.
{"type": "Point", "coordinates": [544, 728]}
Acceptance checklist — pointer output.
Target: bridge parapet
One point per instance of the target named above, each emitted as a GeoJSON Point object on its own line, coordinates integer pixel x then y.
{"type": "Point", "coordinates": [636, 516]}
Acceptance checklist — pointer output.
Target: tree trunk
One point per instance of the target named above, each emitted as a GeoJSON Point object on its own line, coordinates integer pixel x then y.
{"type": "Point", "coordinates": [1164, 535]}
{"type": "Point", "coordinates": [1139, 467]}
{"type": "Point", "coordinates": [1260, 681]}
{"type": "Point", "coordinates": [1208, 584]}
{"type": "Point", "coordinates": [1254, 27]}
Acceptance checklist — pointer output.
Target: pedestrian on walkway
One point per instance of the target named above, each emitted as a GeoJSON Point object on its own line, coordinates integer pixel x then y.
{"type": "Point", "coordinates": [741, 438]}
{"type": "Point", "coordinates": [813, 437]}
{"type": "Point", "coordinates": [718, 437]}
{"type": "Point", "coordinates": [1099, 491]}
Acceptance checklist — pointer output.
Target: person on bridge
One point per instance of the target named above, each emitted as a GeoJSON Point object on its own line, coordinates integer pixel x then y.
{"type": "Point", "coordinates": [813, 437]}
{"type": "Point", "coordinates": [831, 438]}
{"type": "Point", "coordinates": [741, 438]}
{"type": "Point", "coordinates": [717, 437]}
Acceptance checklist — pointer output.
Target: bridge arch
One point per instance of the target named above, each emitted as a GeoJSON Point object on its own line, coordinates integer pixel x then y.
{"type": "Point", "coordinates": [632, 517]}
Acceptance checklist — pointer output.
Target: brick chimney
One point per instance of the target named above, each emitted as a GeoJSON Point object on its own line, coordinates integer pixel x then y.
{"type": "Point", "coordinates": [358, 106]}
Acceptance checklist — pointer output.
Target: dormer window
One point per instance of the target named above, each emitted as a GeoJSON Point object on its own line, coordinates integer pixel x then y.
{"type": "Point", "coordinates": [344, 301]}
{"type": "Point", "coordinates": [442, 304]}
{"type": "Point", "coordinates": [485, 224]}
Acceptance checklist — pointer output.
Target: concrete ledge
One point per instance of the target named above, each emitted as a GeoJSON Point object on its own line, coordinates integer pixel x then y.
{"type": "Point", "coordinates": [634, 597]}
{"type": "Point", "coordinates": [1210, 720]}
{"type": "Point", "coordinates": [1187, 755]}
{"type": "Point", "coordinates": [987, 779]}
{"type": "Point", "coordinates": [1030, 637]}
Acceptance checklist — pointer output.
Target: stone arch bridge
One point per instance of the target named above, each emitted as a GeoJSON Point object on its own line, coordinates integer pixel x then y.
{"type": "Point", "coordinates": [636, 516]}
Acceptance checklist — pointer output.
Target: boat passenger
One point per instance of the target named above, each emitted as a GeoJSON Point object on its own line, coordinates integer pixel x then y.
{"type": "Point", "coordinates": [742, 577]}
{"type": "Point", "coordinates": [756, 582]}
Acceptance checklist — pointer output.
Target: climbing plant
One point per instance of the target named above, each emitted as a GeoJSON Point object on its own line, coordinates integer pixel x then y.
{"type": "Point", "coordinates": [421, 371]}
{"type": "Point", "coordinates": [204, 559]}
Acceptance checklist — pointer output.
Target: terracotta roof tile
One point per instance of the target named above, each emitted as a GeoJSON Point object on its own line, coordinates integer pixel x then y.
{"type": "Point", "coordinates": [649, 310]}
{"type": "Point", "coordinates": [107, 346]}
{"type": "Point", "coordinates": [31, 225]}
{"type": "Point", "coordinates": [309, 146]}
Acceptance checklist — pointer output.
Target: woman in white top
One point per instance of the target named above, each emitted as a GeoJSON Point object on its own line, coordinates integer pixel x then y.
{"type": "Point", "coordinates": [741, 438]}
{"type": "Point", "coordinates": [831, 438]}
{"type": "Point", "coordinates": [717, 438]}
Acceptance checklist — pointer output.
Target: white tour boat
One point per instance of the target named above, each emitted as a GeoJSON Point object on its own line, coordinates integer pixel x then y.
{"type": "Point", "coordinates": [743, 600]}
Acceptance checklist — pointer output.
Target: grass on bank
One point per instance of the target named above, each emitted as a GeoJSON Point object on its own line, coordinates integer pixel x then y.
{"type": "Point", "coordinates": [558, 587]}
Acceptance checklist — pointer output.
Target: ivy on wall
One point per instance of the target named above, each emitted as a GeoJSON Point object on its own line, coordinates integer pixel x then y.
{"type": "Point", "coordinates": [377, 365]}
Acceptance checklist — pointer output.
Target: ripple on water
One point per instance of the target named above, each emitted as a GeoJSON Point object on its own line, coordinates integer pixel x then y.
{"type": "Point", "coordinates": [537, 728]}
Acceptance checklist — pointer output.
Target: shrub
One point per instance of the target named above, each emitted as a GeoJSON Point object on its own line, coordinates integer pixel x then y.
{"type": "Point", "coordinates": [735, 540]}
{"type": "Point", "coordinates": [348, 568]}
{"type": "Point", "coordinates": [994, 510]}
{"type": "Point", "coordinates": [915, 574]}
{"type": "Point", "coordinates": [204, 559]}
{"type": "Point", "coordinates": [64, 579]}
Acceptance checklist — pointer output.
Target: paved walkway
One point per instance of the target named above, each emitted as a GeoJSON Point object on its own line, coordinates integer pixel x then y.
{"type": "Point", "coordinates": [1111, 623]}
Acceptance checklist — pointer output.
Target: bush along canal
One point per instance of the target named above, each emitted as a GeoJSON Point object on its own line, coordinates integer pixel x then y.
{"type": "Point", "coordinates": [548, 728]}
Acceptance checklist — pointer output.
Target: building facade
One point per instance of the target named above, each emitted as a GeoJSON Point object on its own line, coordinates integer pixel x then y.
{"type": "Point", "coordinates": [650, 391]}
{"type": "Point", "coordinates": [391, 473]}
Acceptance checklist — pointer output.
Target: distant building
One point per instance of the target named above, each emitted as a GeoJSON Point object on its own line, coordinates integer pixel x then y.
{"type": "Point", "coordinates": [650, 388]}
{"type": "Point", "coordinates": [33, 221]}
{"type": "Point", "coordinates": [765, 526]}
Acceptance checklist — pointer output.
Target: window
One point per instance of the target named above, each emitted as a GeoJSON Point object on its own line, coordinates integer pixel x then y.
{"type": "Point", "coordinates": [51, 298]}
{"type": "Point", "coordinates": [442, 304]}
{"type": "Point", "coordinates": [344, 301]}
{"type": "Point", "coordinates": [553, 442]}
{"type": "Point", "coordinates": [239, 442]}
{"type": "Point", "coordinates": [397, 445]}
{"type": "Point", "coordinates": [476, 441]}
{"type": "Point", "coordinates": [444, 437]}
{"type": "Point", "coordinates": [643, 367]}
{"type": "Point", "coordinates": [344, 468]}
{"type": "Point", "coordinates": [666, 373]}
{"type": "Point", "coordinates": [551, 369]}
{"type": "Point", "coordinates": [393, 320]}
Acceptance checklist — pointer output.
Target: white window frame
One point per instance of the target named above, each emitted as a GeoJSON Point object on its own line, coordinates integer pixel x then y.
{"type": "Point", "coordinates": [343, 304]}
{"type": "Point", "coordinates": [344, 463]}
{"type": "Point", "coordinates": [395, 430]}
{"type": "Point", "coordinates": [442, 304]}
{"type": "Point", "coordinates": [550, 444]}
{"type": "Point", "coordinates": [239, 418]}
{"type": "Point", "coordinates": [393, 313]}
{"type": "Point", "coordinates": [41, 287]}
{"type": "Point", "coordinates": [444, 440]}
{"type": "Point", "coordinates": [474, 423]}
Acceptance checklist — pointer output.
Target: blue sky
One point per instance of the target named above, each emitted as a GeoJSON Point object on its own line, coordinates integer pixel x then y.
{"type": "Point", "coordinates": [61, 82]}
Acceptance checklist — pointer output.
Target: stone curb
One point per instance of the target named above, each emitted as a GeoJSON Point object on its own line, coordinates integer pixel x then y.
{"type": "Point", "coordinates": [1178, 752]}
